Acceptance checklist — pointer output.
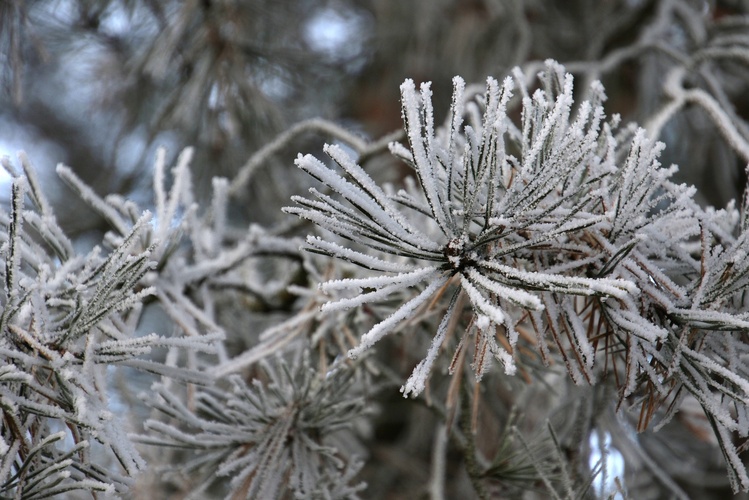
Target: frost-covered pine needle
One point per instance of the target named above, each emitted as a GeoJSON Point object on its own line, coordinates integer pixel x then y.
{"type": "Point", "coordinates": [552, 218]}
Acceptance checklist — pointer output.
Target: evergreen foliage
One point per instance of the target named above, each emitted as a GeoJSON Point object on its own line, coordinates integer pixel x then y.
{"type": "Point", "coordinates": [518, 301]}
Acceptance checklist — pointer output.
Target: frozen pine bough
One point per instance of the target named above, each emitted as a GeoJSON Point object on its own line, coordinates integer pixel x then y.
{"type": "Point", "coordinates": [559, 230]}
{"type": "Point", "coordinates": [261, 439]}
{"type": "Point", "coordinates": [69, 321]}
{"type": "Point", "coordinates": [534, 231]}
{"type": "Point", "coordinates": [94, 405]}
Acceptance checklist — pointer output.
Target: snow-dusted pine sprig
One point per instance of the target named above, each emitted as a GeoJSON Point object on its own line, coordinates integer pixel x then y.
{"type": "Point", "coordinates": [484, 219]}
{"type": "Point", "coordinates": [67, 318]}
{"type": "Point", "coordinates": [54, 315]}
{"type": "Point", "coordinates": [270, 437]}
{"type": "Point", "coordinates": [559, 224]}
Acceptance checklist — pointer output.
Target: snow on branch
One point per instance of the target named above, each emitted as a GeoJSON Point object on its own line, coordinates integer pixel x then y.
{"type": "Point", "coordinates": [68, 318]}
{"type": "Point", "coordinates": [556, 223]}
{"type": "Point", "coordinates": [270, 438]}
